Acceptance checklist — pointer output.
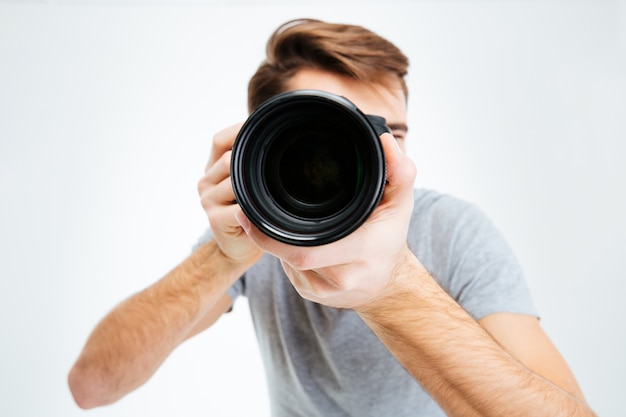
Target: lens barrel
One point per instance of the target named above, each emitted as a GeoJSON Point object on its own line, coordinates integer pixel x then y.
{"type": "Point", "coordinates": [308, 167]}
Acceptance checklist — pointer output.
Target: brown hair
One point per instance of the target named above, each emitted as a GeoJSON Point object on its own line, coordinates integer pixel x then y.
{"type": "Point", "coordinates": [344, 49]}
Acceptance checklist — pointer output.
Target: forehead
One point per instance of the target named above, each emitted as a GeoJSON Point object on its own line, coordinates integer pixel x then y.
{"type": "Point", "coordinates": [387, 102]}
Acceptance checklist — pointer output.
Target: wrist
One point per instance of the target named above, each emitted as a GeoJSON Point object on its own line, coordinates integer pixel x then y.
{"type": "Point", "coordinates": [210, 261]}
{"type": "Point", "coordinates": [409, 279]}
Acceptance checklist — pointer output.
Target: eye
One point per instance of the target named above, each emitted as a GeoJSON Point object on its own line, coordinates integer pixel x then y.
{"type": "Point", "coordinates": [398, 130]}
{"type": "Point", "coordinates": [399, 134]}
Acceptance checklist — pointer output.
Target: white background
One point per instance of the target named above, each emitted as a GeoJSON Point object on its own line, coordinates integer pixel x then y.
{"type": "Point", "coordinates": [107, 109]}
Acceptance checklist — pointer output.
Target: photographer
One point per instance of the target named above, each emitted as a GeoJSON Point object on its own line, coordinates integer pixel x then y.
{"type": "Point", "coordinates": [423, 310]}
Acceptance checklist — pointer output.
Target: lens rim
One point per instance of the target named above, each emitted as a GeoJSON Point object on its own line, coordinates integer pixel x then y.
{"type": "Point", "coordinates": [249, 154]}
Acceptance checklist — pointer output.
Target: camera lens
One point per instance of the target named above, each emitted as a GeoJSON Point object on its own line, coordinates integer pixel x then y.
{"type": "Point", "coordinates": [310, 173]}
{"type": "Point", "coordinates": [308, 167]}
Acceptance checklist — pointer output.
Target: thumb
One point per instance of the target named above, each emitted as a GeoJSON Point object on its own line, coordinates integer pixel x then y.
{"type": "Point", "coordinates": [242, 220]}
{"type": "Point", "coordinates": [400, 168]}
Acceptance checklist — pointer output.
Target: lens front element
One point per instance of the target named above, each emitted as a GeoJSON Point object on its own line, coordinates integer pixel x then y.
{"type": "Point", "coordinates": [308, 167]}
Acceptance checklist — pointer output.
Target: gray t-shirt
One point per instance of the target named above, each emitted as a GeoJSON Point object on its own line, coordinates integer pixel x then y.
{"type": "Point", "coordinates": [326, 362]}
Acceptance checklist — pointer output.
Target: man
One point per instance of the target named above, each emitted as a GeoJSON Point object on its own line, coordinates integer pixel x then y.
{"type": "Point", "coordinates": [421, 311]}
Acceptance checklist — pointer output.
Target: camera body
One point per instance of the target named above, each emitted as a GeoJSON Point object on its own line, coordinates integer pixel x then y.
{"type": "Point", "coordinates": [308, 167]}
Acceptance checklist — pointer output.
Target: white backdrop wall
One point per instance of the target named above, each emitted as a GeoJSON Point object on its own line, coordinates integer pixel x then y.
{"type": "Point", "coordinates": [107, 109]}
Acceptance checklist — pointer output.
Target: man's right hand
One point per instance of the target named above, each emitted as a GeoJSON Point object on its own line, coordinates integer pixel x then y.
{"type": "Point", "coordinates": [218, 200]}
{"type": "Point", "coordinates": [131, 341]}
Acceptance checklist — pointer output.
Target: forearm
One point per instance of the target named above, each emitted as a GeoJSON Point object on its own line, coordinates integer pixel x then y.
{"type": "Point", "coordinates": [132, 341]}
{"type": "Point", "coordinates": [454, 358]}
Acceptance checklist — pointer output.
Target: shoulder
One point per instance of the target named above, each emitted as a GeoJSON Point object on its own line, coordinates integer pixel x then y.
{"type": "Point", "coordinates": [442, 219]}
{"type": "Point", "coordinates": [448, 226]}
{"type": "Point", "coordinates": [435, 206]}
{"type": "Point", "coordinates": [467, 254]}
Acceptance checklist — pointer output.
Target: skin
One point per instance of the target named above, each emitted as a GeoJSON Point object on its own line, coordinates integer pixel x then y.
{"type": "Point", "coordinates": [501, 365]}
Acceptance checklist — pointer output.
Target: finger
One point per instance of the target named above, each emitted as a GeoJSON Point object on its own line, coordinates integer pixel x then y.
{"type": "Point", "coordinates": [220, 169]}
{"type": "Point", "coordinates": [223, 219]}
{"type": "Point", "coordinates": [212, 195]}
{"type": "Point", "coordinates": [309, 284]}
{"type": "Point", "coordinates": [340, 252]}
{"type": "Point", "coordinates": [222, 142]}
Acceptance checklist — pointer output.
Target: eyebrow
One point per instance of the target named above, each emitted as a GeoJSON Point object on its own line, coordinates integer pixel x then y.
{"type": "Point", "coordinates": [398, 126]}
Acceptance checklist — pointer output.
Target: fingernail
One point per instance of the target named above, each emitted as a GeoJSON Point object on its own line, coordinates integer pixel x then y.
{"type": "Point", "coordinates": [396, 144]}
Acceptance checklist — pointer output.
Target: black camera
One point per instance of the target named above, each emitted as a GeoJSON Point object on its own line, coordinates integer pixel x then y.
{"type": "Point", "coordinates": [308, 167]}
